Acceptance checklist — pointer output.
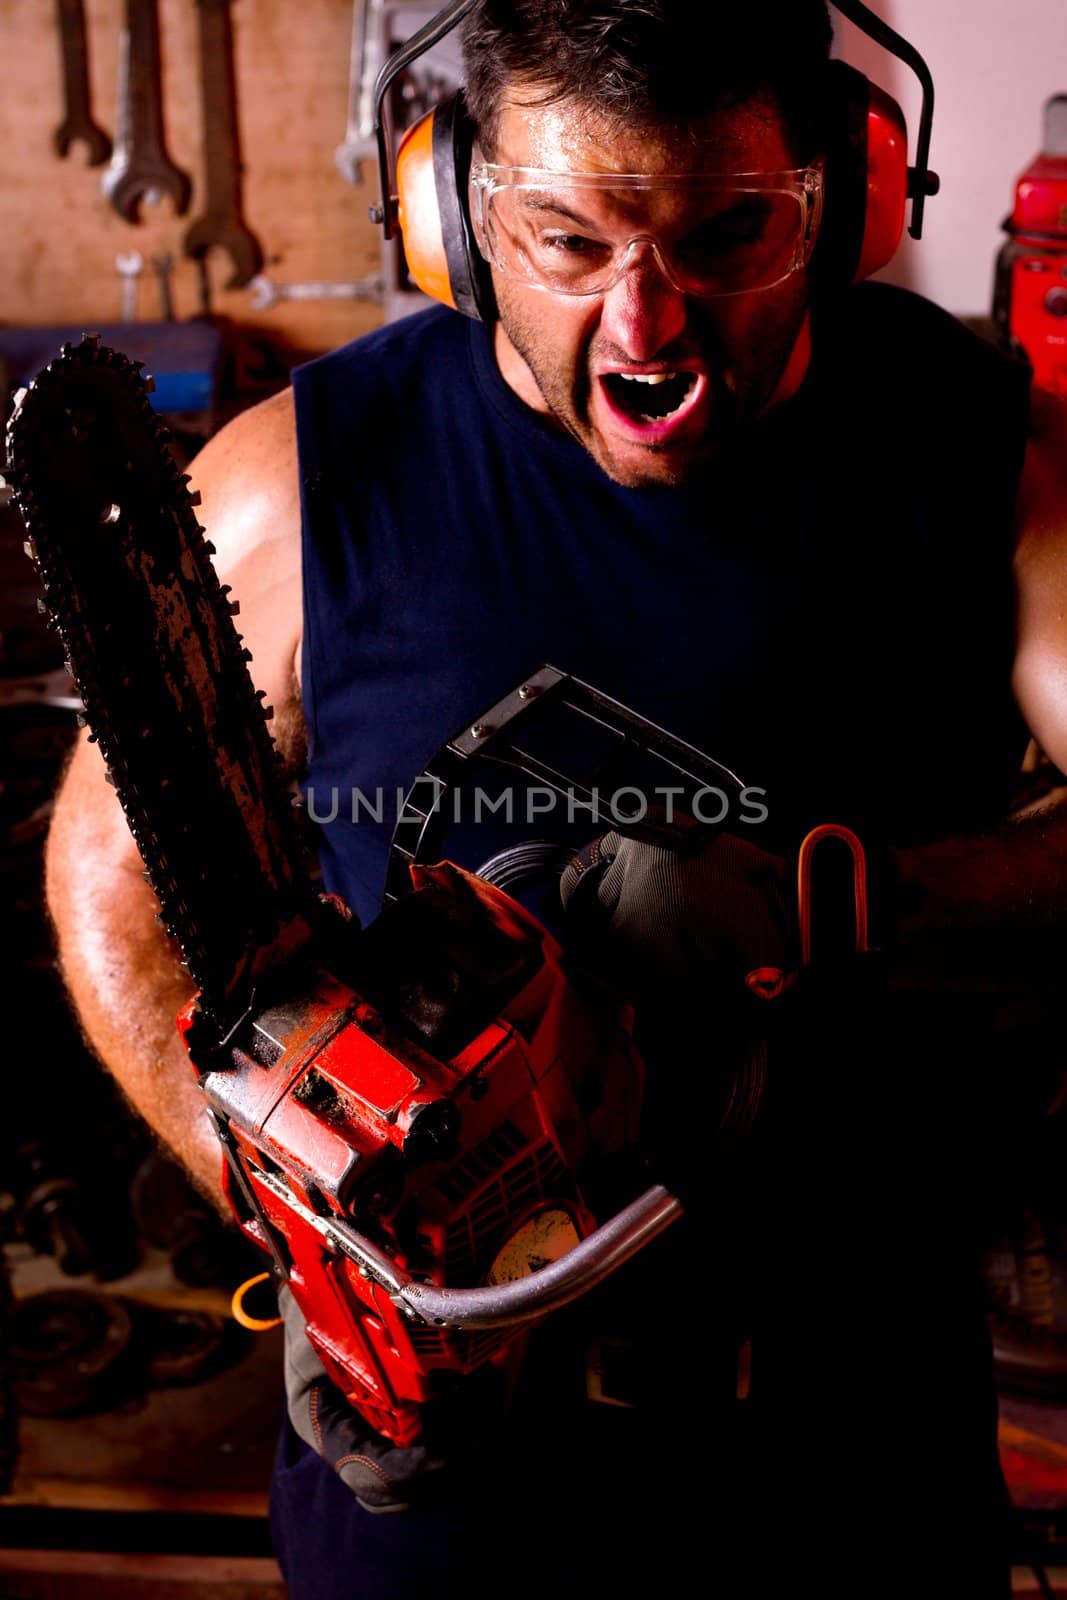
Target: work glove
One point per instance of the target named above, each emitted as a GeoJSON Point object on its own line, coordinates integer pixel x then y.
{"type": "Point", "coordinates": [698, 943]}
{"type": "Point", "coordinates": [671, 920]}
{"type": "Point", "coordinates": [382, 1476]}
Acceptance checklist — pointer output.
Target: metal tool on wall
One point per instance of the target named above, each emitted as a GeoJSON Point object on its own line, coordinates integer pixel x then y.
{"type": "Point", "coordinates": [129, 264]}
{"type": "Point", "coordinates": [267, 293]}
{"type": "Point", "coordinates": [372, 41]}
{"type": "Point", "coordinates": [77, 125]}
{"type": "Point", "coordinates": [163, 266]}
{"type": "Point", "coordinates": [140, 168]}
{"type": "Point", "coordinates": [221, 222]}
{"type": "Point", "coordinates": [360, 142]}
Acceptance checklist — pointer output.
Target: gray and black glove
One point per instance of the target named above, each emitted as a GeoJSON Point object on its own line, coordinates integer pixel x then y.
{"type": "Point", "coordinates": [713, 917]}
{"type": "Point", "coordinates": [384, 1477]}
{"type": "Point", "coordinates": [697, 943]}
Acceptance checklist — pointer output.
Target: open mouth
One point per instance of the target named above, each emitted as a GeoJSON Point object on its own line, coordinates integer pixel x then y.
{"type": "Point", "coordinates": [648, 396]}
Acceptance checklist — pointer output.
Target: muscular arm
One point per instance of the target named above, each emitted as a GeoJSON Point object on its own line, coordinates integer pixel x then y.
{"type": "Point", "coordinates": [1015, 881]}
{"type": "Point", "coordinates": [121, 971]}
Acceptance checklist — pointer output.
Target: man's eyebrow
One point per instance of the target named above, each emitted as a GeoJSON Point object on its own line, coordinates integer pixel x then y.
{"type": "Point", "coordinates": [534, 201]}
{"type": "Point", "coordinates": [537, 201]}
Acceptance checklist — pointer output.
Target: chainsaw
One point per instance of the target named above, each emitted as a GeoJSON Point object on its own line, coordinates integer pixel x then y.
{"type": "Point", "coordinates": [422, 1122]}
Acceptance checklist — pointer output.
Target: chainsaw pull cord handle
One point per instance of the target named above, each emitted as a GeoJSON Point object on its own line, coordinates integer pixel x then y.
{"type": "Point", "coordinates": [831, 830]}
{"type": "Point", "coordinates": [767, 983]}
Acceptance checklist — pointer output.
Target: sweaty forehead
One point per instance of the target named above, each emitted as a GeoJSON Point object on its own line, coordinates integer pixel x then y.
{"type": "Point", "coordinates": [570, 136]}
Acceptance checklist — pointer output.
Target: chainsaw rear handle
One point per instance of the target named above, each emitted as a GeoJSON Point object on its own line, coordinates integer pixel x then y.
{"type": "Point", "coordinates": [504, 1305]}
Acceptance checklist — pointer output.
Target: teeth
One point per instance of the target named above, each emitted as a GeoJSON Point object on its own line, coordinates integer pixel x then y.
{"type": "Point", "coordinates": [645, 377]}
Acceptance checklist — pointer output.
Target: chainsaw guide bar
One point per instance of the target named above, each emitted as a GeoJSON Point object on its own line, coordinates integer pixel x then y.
{"type": "Point", "coordinates": [161, 670]}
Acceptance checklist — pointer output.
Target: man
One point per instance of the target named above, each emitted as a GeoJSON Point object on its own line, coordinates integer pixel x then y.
{"type": "Point", "coordinates": [781, 519]}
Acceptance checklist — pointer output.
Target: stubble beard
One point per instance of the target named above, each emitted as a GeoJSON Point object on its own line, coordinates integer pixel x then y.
{"type": "Point", "coordinates": [738, 396]}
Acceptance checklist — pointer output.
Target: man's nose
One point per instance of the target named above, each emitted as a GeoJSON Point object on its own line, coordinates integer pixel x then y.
{"type": "Point", "coordinates": [643, 312]}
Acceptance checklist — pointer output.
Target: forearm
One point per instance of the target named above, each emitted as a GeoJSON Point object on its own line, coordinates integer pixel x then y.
{"type": "Point", "coordinates": [122, 973]}
{"type": "Point", "coordinates": [991, 904]}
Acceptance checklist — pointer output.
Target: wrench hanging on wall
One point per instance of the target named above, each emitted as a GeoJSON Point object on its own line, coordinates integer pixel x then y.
{"type": "Point", "coordinates": [77, 124]}
{"type": "Point", "coordinates": [140, 168]}
{"type": "Point", "coordinates": [267, 293]}
{"type": "Point", "coordinates": [221, 222]}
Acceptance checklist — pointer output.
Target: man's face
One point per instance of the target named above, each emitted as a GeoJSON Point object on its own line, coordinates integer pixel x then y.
{"type": "Point", "coordinates": [723, 360]}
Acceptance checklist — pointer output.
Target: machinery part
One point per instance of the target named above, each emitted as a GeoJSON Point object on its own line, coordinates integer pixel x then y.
{"type": "Point", "coordinates": [180, 1346]}
{"type": "Point", "coordinates": [52, 1223]}
{"type": "Point", "coordinates": [221, 222]}
{"type": "Point", "coordinates": [172, 1215]}
{"type": "Point", "coordinates": [163, 266]}
{"type": "Point", "coordinates": [112, 529]}
{"type": "Point", "coordinates": [61, 1210]}
{"type": "Point", "coordinates": [140, 168]}
{"type": "Point", "coordinates": [77, 125]}
{"type": "Point", "coordinates": [267, 293]}
{"type": "Point", "coordinates": [129, 265]}
{"type": "Point", "coordinates": [72, 1353]}
{"type": "Point", "coordinates": [364, 64]}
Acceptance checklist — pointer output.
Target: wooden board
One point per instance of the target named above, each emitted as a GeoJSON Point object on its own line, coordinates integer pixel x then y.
{"type": "Point", "coordinates": [60, 235]}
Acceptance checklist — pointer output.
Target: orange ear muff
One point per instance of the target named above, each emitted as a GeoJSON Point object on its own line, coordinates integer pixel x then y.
{"type": "Point", "coordinates": [866, 180]}
{"type": "Point", "coordinates": [433, 214]}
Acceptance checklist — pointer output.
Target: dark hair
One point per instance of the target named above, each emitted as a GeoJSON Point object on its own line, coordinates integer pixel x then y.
{"type": "Point", "coordinates": [652, 60]}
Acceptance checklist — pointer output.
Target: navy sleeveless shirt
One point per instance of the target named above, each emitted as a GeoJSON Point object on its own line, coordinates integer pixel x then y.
{"type": "Point", "coordinates": [828, 611]}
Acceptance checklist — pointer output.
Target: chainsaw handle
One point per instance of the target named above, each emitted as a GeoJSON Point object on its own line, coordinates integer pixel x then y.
{"type": "Point", "coordinates": [503, 1305]}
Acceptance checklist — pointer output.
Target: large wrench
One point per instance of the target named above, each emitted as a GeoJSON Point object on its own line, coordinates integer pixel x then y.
{"type": "Point", "coordinates": [140, 167]}
{"type": "Point", "coordinates": [221, 222]}
{"type": "Point", "coordinates": [77, 121]}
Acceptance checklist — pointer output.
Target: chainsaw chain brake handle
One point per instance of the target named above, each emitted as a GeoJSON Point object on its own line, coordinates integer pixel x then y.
{"type": "Point", "coordinates": [588, 750]}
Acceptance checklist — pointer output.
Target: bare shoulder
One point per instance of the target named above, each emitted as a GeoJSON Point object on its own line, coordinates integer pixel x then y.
{"type": "Point", "coordinates": [1042, 505]}
{"type": "Point", "coordinates": [248, 479]}
{"type": "Point", "coordinates": [1040, 674]}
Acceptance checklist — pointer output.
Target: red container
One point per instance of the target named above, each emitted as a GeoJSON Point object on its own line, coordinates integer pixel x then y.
{"type": "Point", "coordinates": [1030, 292]}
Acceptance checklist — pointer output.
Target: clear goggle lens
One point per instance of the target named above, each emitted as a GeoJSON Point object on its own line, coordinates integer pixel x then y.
{"type": "Point", "coordinates": [575, 233]}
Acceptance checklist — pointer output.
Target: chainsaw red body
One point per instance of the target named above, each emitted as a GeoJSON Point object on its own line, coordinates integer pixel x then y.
{"type": "Point", "coordinates": [1030, 297]}
{"type": "Point", "coordinates": [323, 1134]}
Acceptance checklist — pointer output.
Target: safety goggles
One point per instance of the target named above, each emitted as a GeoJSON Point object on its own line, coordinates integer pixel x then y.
{"type": "Point", "coordinates": [577, 233]}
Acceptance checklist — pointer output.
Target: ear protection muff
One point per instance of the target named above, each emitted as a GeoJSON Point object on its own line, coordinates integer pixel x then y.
{"type": "Point", "coordinates": [433, 167]}
{"type": "Point", "coordinates": [868, 179]}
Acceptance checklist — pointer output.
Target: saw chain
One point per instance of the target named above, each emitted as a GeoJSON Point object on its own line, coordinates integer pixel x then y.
{"type": "Point", "coordinates": [161, 670]}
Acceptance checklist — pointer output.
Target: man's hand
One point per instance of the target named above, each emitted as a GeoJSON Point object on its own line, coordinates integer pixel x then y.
{"type": "Point", "coordinates": [712, 918]}
{"type": "Point", "coordinates": [383, 1476]}
{"type": "Point", "coordinates": [696, 943]}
